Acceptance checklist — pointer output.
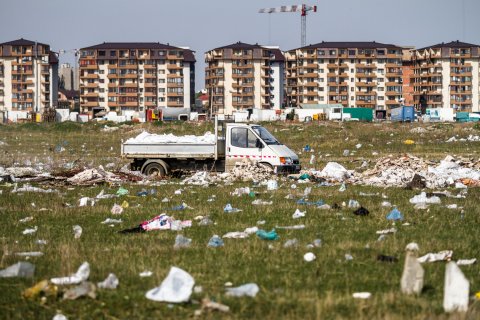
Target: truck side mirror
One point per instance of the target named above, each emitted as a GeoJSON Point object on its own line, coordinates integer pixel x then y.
{"type": "Point", "coordinates": [259, 144]}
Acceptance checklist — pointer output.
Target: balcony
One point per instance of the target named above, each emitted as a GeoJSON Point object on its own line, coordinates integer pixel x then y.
{"type": "Point", "coordinates": [128, 104]}
{"type": "Point", "coordinates": [90, 94]}
{"type": "Point", "coordinates": [174, 104]}
{"type": "Point", "coordinates": [90, 104]}
{"type": "Point", "coordinates": [129, 85]}
{"type": "Point", "coordinates": [89, 76]}
{"type": "Point", "coordinates": [365, 84]}
{"type": "Point", "coordinates": [175, 94]}
{"type": "Point", "coordinates": [128, 94]}
{"type": "Point", "coordinates": [88, 67]}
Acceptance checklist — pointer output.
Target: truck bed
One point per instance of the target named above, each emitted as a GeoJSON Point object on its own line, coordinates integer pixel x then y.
{"type": "Point", "coordinates": [168, 150]}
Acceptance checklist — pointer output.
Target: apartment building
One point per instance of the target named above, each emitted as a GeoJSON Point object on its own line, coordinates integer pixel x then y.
{"type": "Point", "coordinates": [243, 76]}
{"type": "Point", "coordinates": [68, 77]}
{"type": "Point", "coordinates": [132, 77]}
{"type": "Point", "coordinates": [28, 76]}
{"type": "Point", "coordinates": [354, 74]}
{"type": "Point", "coordinates": [446, 75]}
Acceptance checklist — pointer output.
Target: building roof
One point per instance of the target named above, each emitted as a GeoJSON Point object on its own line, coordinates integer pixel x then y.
{"type": "Point", "coordinates": [52, 57]}
{"type": "Point", "coordinates": [22, 42]}
{"type": "Point", "coordinates": [69, 94]}
{"type": "Point", "coordinates": [452, 44]}
{"type": "Point", "coordinates": [187, 53]}
{"type": "Point", "coordinates": [278, 55]}
{"type": "Point", "coordinates": [203, 97]}
{"type": "Point", "coordinates": [350, 45]}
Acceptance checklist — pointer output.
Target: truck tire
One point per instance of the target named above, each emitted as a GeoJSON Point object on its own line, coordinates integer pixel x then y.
{"type": "Point", "coordinates": [155, 169]}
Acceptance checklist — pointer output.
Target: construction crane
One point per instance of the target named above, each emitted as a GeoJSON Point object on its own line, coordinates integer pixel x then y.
{"type": "Point", "coordinates": [302, 8]}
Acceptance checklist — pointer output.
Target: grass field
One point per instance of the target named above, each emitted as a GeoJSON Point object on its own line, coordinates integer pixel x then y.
{"type": "Point", "coordinates": [290, 288]}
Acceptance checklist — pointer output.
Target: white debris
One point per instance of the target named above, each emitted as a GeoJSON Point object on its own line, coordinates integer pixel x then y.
{"type": "Point", "coordinates": [83, 202]}
{"type": "Point", "coordinates": [29, 254]}
{"type": "Point", "coordinates": [422, 198]}
{"type": "Point", "coordinates": [260, 202]}
{"type": "Point", "coordinates": [249, 289]}
{"type": "Point", "coordinates": [387, 231]}
{"type": "Point", "coordinates": [145, 274]}
{"type": "Point", "coordinates": [456, 289]}
{"type": "Point", "coordinates": [26, 219]}
{"type": "Point", "coordinates": [334, 171]}
{"type": "Point", "coordinates": [81, 275]}
{"type": "Point", "coordinates": [445, 255]}
{"type": "Point", "coordinates": [413, 273]}
{"type": "Point", "coordinates": [30, 231]}
{"type": "Point", "coordinates": [251, 230]}
{"type": "Point", "coordinates": [236, 235]}
{"type": "Point", "coordinates": [111, 221]}
{"type": "Point", "coordinates": [116, 209]}
{"type": "Point", "coordinates": [177, 287]}
{"type": "Point", "coordinates": [111, 282]}
{"type": "Point", "coordinates": [309, 256]}
{"type": "Point", "coordinates": [361, 295]}
{"type": "Point", "coordinates": [466, 262]}
{"type": "Point", "coordinates": [298, 214]}
{"type": "Point", "coordinates": [149, 138]}
{"type": "Point", "coordinates": [77, 231]}
{"type": "Point", "coordinates": [29, 188]}
{"type": "Point", "coordinates": [20, 269]}
{"type": "Point", "coordinates": [399, 171]}
{"type": "Point", "coordinates": [295, 227]}
{"type": "Point", "coordinates": [93, 176]}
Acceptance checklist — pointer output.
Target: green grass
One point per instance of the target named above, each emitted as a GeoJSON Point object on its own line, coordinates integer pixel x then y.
{"type": "Point", "coordinates": [289, 287]}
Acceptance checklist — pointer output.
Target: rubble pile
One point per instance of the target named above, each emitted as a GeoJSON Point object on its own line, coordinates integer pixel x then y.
{"type": "Point", "coordinates": [247, 171]}
{"type": "Point", "coordinates": [93, 176]}
{"type": "Point", "coordinates": [399, 171]}
{"type": "Point", "coordinates": [470, 138]}
{"type": "Point", "coordinates": [243, 171]}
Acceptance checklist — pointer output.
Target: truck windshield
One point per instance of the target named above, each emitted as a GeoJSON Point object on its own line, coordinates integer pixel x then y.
{"type": "Point", "coordinates": [265, 135]}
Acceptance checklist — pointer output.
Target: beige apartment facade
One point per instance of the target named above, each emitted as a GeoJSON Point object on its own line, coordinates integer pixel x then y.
{"type": "Point", "coordinates": [354, 74]}
{"type": "Point", "coordinates": [28, 77]}
{"type": "Point", "coordinates": [243, 76]}
{"type": "Point", "coordinates": [133, 77]}
{"type": "Point", "coordinates": [446, 75]}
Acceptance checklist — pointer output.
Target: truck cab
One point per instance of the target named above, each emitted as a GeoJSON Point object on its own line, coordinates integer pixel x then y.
{"type": "Point", "coordinates": [254, 142]}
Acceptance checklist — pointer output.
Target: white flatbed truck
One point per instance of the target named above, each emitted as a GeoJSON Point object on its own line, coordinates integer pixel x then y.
{"type": "Point", "coordinates": [233, 143]}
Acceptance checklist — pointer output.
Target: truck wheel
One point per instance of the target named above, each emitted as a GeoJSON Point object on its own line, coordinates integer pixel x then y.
{"type": "Point", "coordinates": [154, 169]}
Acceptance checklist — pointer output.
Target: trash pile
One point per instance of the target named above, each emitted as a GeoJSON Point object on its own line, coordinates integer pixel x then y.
{"type": "Point", "coordinates": [400, 171]}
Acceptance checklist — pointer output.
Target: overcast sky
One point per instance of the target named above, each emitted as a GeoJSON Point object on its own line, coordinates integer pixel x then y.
{"type": "Point", "coordinates": [206, 24]}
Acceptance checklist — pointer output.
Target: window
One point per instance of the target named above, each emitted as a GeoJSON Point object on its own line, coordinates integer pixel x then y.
{"type": "Point", "coordinates": [101, 53]}
{"type": "Point", "coordinates": [321, 98]}
{"type": "Point", "coordinates": [352, 89]}
{"type": "Point", "coordinates": [352, 79]}
{"type": "Point", "coordinates": [380, 98]}
{"type": "Point", "coordinates": [113, 54]}
{"type": "Point", "coordinates": [321, 71]}
{"type": "Point", "coordinates": [243, 138]}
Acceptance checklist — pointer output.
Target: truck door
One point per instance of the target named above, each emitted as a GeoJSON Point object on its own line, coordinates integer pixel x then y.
{"type": "Point", "coordinates": [241, 144]}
